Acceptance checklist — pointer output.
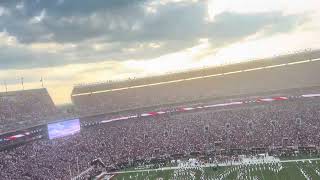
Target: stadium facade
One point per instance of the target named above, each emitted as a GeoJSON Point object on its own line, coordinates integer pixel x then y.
{"type": "Point", "coordinates": [283, 72]}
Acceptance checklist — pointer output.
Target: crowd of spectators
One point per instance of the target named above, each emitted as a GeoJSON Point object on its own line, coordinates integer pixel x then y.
{"type": "Point", "coordinates": [291, 123]}
{"type": "Point", "coordinates": [20, 109]}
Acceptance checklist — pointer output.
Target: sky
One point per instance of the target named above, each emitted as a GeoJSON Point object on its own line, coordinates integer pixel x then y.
{"type": "Point", "coordinates": [68, 42]}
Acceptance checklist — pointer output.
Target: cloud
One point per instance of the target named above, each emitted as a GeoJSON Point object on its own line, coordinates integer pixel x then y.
{"type": "Point", "coordinates": [39, 18]}
{"type": "Point", "coordinates": [4, 11]}
{"type": "Point", "coordinates": [54, 33]}
{"type": "Point", "coordinates": [230, 27]}
{"type": "Point", "coordinates": [216, 7]}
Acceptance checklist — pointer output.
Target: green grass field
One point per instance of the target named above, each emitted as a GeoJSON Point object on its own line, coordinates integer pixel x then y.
{"type": "Point", "coordinates": [276, 171]}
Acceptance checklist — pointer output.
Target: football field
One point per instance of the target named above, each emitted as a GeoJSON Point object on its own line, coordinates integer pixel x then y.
{"type": "Point", "coordinates": [308, 169]}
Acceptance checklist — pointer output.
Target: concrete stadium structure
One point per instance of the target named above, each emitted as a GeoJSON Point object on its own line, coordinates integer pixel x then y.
{"type": "Point", "coordinates": [279, 73]}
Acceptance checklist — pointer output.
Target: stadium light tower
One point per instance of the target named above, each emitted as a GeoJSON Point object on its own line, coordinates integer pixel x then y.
{"type": "Point", "coordinates": [5, 85]}
{"type": "Point", "coordinates": [41, 80]}
{"type": "Point", "coordinates": [22, 83]}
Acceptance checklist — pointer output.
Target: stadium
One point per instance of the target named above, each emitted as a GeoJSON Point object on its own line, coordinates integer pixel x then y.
{"type": "Point", "coordinates": [250, 120]}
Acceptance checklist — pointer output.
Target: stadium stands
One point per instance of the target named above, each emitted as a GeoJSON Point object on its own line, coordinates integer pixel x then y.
{"type": "Point", "coordinates": [21, 109]}
{"type": "Point", "coordinates": [85, 88]}
{"type": "Point", "coordinates": [267, 124]}
{"type": "Point", "coordinates": [283, 72]}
